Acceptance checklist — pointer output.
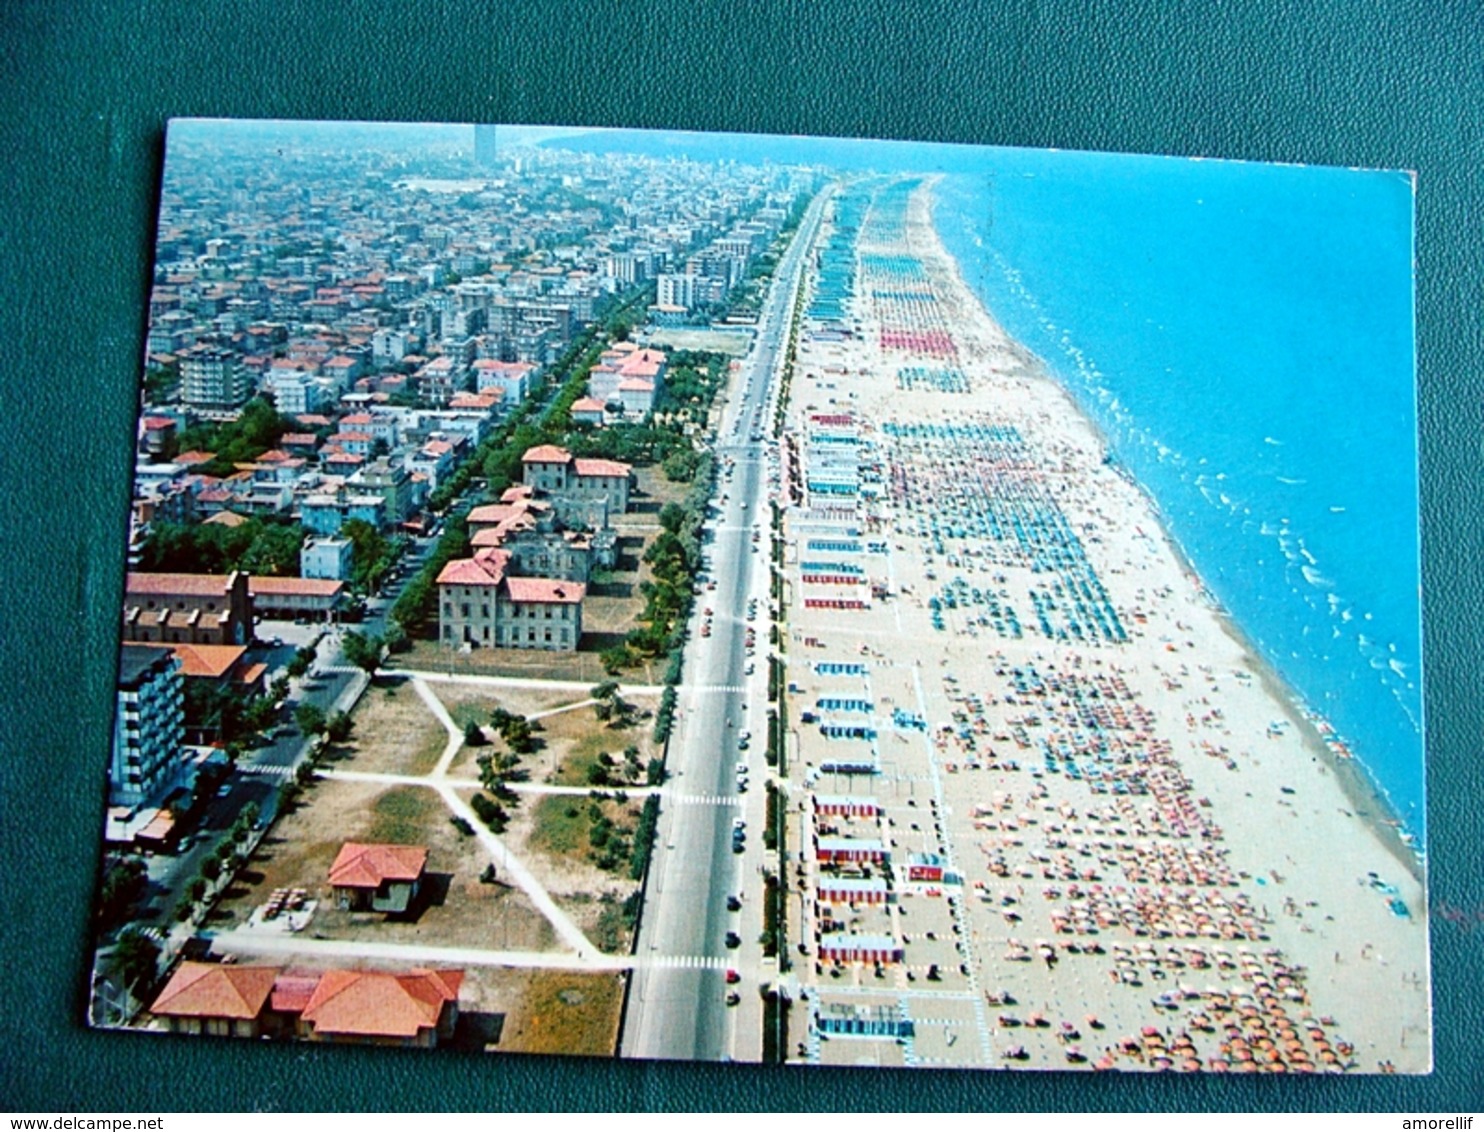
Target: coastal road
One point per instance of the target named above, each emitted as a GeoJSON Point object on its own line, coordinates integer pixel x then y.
{"type": "Point", "coordinates": [680, 1012]}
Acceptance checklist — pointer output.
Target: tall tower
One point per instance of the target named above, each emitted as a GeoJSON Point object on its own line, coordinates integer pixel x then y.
{"type": "Point", "coordinates": [484, 146]}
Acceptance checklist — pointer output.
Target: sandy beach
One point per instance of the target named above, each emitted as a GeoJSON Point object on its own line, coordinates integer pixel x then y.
{"type": "Point", "coordinates": [1111, 837]}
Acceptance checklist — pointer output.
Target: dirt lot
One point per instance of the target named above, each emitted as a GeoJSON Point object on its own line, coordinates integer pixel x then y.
{"type": "Point", "coordinates": [395, 733]}
{"type": "Point", "coordinates": [535, 664]}
{"type": "Point", "coordinates": [456, 909]}
{"type": "Point", "coordinates": [552, 836]}
{"type": "Point", "coordinates": [569, 740]}
{"type": "Point", "coordinates": [565, 1012]}
{"type": "Point", "coordinates": [733, 342]}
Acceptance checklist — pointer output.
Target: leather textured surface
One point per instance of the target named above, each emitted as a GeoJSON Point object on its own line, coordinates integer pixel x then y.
{"type": "Point", "coordinates": [88, 88]}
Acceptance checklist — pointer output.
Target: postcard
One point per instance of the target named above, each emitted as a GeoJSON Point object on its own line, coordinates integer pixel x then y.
{"type": "Point", "coordinates": [785, 600]}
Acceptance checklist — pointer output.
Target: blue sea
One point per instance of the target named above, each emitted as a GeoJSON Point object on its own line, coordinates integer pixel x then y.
{"type": "Point", "coordinates": [1243, 335]}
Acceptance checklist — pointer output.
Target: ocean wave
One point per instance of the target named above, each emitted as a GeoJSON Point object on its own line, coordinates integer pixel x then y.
{"type": "Point", "coordinates": [1315, 578]}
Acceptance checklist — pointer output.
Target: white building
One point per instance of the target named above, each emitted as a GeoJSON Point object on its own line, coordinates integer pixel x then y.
{"type": "Point", "coordinates": [326, 558]}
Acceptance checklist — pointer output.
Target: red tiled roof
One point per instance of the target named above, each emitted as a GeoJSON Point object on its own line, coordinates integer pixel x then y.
{"type": "Point", "coordinates": [189, 459]}
{"type": "Point", "coordinates": [378, 1004]}
{"type": "Point", "coordinates": [210, 990]}
{"type": "Point", "coordinates": [546, 454]}
{"type": "Point", "coordinates": [492, 513]}
{"type": "Point", "coordinates": [592, 467]}
{"type": "Point", "coordinates": [587, 405]}
{"type": "Point", "coordinates": [366, 866]}
{"type": "Point", "coordinates": [307, 587]}
{"type": "Point", "coordinates": [196, 585]}
{"type": "Point", "coordinates": [214, 661]}
{"type": "Point", "coordinates": [486, 568]}
{"type": "Point", "coordinates": [547, 591]}
{"type": "Point", "coordinates": [291, 993]}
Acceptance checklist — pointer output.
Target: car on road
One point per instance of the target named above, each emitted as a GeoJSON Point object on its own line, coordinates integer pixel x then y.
{"type": "Point", "coordinates": [734, 904]}
{"type": "Point", "coordinates": [733, 998]}
{"type": "Point", "coordinates": [733, 940]}
{"type": "Point", "coordinates": [738, 825]}
{"type": "Point", "coordinates": [741, 768]}
{"type": "Point", "coordinates": [743, 744]}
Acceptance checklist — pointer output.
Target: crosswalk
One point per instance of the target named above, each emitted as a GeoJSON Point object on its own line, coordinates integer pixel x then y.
{"type": "Point", "coordinates": [687, 962]}
{"type": "Point", "coordinates": [705, 689]}
{"type": "Point", "coordinates": [704, 799]}
{"type": "Point", "coordinates": [282, 773]}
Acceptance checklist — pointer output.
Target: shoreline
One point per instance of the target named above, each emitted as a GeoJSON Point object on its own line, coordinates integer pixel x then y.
{"type": "Point", "coordinates": [1365, 792]}
{"type": "Point", "coordinates": [1143, 824]}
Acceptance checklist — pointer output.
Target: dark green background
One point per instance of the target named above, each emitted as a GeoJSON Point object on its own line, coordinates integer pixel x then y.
{"type": "Point", "coordinates": [87, 90]}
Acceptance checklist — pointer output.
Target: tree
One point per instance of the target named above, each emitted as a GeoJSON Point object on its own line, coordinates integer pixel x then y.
{"type": "Point", "coordinates": [363, 651]}
{"type": "Point", "coordinates": [123, 884]}
{"type": "Point", "coordinates": [370, 554]}
{"type": "Point", "coordinates": [136, 958]}
{"type": "Point", "coordinates": [301, 661]}
{"type": "Point", "coordinates": [519, 737]}
{"type": "Point", "coordinates": [614, 660]}
{"type": "Point", "coordinates": [397, 639]}
{"type": "Point", "coordinates": [338, 727]}
{"type": "Point", "coordinates": [473, 734]}
{"type": "Point", "coordinates": [310, 718]}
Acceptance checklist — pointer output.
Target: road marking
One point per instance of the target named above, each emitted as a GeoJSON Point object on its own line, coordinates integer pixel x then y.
{"type": "Point", "coordinates": [709, 689]}
{"type": "Point", "coordinates": [685, 962]}
{"type": "Point", "coordinates": [705, 799]}
{"type": "Point", "coordinates": [280, 772]}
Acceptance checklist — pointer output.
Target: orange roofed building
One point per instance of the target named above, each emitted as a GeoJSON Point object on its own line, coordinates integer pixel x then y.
{"type": "Point", "coordinates": [189, 609]}
{"type": "Point", "coordinates": [209, 998]}
{"type": "Point", "coordinates": [419, 1008]}
{"type": "Point", "coordinates": [377, 878]}
{"type": "Point", "coordinates": [481, 604]}
{"type": "Point", "coordinates": [585, 490]}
